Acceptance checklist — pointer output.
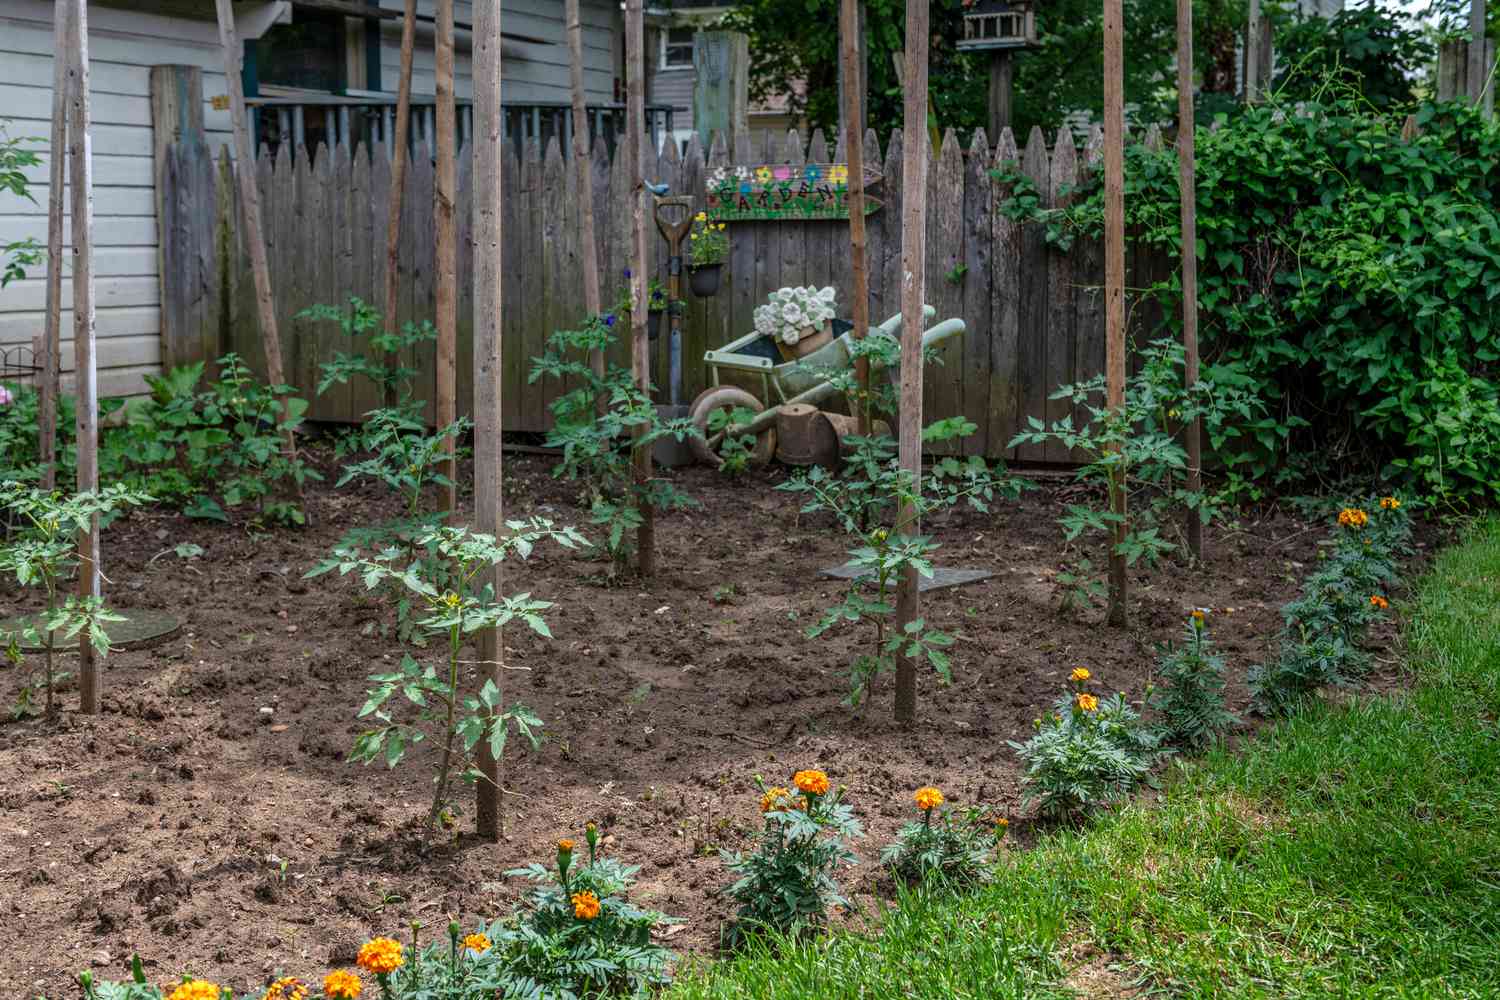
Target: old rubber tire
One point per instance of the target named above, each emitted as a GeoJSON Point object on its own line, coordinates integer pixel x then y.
{"type": "Point", "coordinates": [727, 397]}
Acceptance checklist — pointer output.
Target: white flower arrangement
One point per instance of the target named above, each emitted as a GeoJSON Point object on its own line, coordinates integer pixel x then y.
{"type": "Point", "coordinates": [790, 313]}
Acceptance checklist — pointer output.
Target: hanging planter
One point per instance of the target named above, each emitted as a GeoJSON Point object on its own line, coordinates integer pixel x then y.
{"type": "Point", "coordinates": [704, 280]}
{"type": "Point", "coordinates": [653, 323]}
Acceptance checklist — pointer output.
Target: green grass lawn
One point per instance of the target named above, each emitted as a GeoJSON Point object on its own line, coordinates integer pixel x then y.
{"type": "Point", "coordinates": [1353, 851]}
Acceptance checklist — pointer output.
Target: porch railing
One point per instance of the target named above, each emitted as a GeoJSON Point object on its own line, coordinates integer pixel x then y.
{"type": "Point", "coordinates": [306, 120]}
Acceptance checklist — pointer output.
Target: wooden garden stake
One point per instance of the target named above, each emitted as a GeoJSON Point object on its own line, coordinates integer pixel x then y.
{"type": "Point", "coordinates": [398, 175]}
{"type": "Point", "coordinates": [1114, 281]}
{"type": "Point", "coordinates": [913, 284]}
{"type": "Point", "coordinates": [250, 203]}
{"type": "Point", "coordinates": [446, 244]}
{"type": "Point", "coordinates": [854, 146]}
{"type": "Point", "coordinates": [1478, 72]}
{"type": "Point", "coordinates": [85, 369]}
{"type": "Point", "coordinates": [50, 358]}
{"type": "Point", "coordinates": [640, 353]}
{"type": "Point", "coordinates": [1187, 193]}
{"type": "Point", "coordinates": [589, 250]}
{"type": "Point", "coordinates": [489, 142]}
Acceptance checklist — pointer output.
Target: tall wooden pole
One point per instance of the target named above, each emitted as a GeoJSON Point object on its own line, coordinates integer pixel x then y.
{"type": "Point", "coordinates": [1478, 69]}
{"type": "Point", "coordinates": [489, 513]}
{"type": "Point", "coordinates": [1254, 42]}
{"type": "Point", "coordinates": [1114, 279]}
{"type": "Point", "coordinates": [1002, 69]}
{"type": "Point", "coordinates": [446, 242]}
{"type": "Point", "coordinates": [50, 360]}
{"type": "Point", "coordinates": [85, 369]}
{"type": "Point", "coordinates": [913, 284]}
{"type": "Point", "coordinates": [244, 157]}
{"type": "Point", "coordinates": [1187, 193]}
{"type": "Point", "coordinates": [583, 165]}
{"type": "Point", "coordinates": [636, 138]}
{"type": "Point", "coordinates": [852, 39]}
{"type": "Point", "coordinates": [398, 175]}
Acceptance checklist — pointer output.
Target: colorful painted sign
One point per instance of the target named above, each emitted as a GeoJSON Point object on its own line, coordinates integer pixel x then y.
{"type": "Point", "coordinates": [782, 192]}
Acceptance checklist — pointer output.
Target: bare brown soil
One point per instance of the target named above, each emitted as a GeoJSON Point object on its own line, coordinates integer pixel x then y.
{"type": "Point", "coordinates": [189, 824]}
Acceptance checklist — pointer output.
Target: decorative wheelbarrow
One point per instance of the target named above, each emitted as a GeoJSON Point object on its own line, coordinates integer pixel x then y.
{"type": "Point", "coordinates": [783, 383]}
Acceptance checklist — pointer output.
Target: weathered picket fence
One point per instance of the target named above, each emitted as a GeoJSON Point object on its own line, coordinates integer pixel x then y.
{"type": "Point", "coordinates": [1034, 315]}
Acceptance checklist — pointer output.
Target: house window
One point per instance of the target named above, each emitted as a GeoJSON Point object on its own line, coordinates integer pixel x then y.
{"type": "Point", "coordinates": [307, 54]}
{"type": "Point", "coordinates": [677, 48]}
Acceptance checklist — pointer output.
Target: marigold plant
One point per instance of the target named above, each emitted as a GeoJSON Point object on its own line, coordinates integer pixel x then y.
{"type": "Point", "coordinates": [811, 782]}
{"type": "Point", "coordinates": [940, 844]}
{"type": "Point", "coordinates": [286, 988]}
{"type": "Point", "coordinates": [1189, 692]}
{"type": "Point", "coordinates": [196, 989]}
{"type": "Point", "coordinates": [341, 984]}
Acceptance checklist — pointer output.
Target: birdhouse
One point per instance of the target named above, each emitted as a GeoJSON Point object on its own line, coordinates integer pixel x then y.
{"type": "Point", "coordinates": [999, 24]}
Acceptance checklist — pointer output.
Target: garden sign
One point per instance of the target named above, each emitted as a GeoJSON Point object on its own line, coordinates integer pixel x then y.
{"type": "Point", "coordinates": [784, 192]}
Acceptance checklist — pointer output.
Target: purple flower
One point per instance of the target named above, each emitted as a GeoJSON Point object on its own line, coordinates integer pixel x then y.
{"type": "Point", "coordinates": [627, 272]}
{"type": "Point", "coordinates": [5, 397]}
{"type": "Point", "coordinates": [609, 319]}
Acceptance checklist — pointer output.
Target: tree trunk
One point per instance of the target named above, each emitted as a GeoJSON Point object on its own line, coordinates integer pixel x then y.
{"type": "Point", "coordinates": [640, 354]}
{"type": "Point", "coordinates": [1114, 280]}
{"type": "Point", "coordinates": [1187, 192]}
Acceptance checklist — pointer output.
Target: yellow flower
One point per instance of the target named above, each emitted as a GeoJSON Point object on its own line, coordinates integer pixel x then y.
{"type": "Point", "coordinates": [198, 989]}
{"type": "Point", "coordinates": [1353, 517]}
{"type": "Point", "coordinates": [585, 905]}
{"type": "Point", "coordinates": [928, 798]}
{"type": "Point", "coordinates": [838, 174]}
{"type": "Point", "coordinates": [381, 956]}
{"type": "Point", "coordinates": [1390, 503]}
{"type": "Point", "coordinates": [1088, 702]}
{"type": "Point", "coordinates": [1080, 674]}
{"type": "Point", "coordinates": [477, 942]}
{"type": "Point", "coordinates": [763, 175]}
{"type": "Point", "coordinates": [286, 988]}
{"type": "Point", "coordinates": [811, 782]}
{"type": "Point", "coordinates": [1379, 602]}
{"type": "Point", "coordinates": [879, 535]}
{"type": "Point", "coordinates": [452, 600]}
{"type": "Point", "coordinates": [341, 984]}
{"type": "Point", "coordinates": [701, 217]}
{"type": "Point", "coordinates": [565, 846]}
{"type": "Point", "coordinates": [774, 798]}
{"type": "Point", "coordinates": [1002, 827]}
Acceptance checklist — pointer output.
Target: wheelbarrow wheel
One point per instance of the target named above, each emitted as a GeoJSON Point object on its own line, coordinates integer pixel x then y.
{"type": "Point", "coordinates": [728, 398]}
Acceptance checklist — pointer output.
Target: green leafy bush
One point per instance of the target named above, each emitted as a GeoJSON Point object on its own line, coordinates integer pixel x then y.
{"type": "Point", "coordinates": [1189, 695]}
{"type": "Point", "coordinates": [1087, 752]}
{"type": "Point", "coordinates": [956, 849]}
{"type": "Point", "coordinates": [787, 884]}
{"type": "Point", "coordinates": [1348, 275]}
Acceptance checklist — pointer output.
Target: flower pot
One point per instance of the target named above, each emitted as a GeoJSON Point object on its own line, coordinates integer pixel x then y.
{"type": "Point", "coordinates": [653, 323]}
{"type": "Point", "coordinates": [809, 341]}
{"type": "Point", "coordinates": [704, 280]}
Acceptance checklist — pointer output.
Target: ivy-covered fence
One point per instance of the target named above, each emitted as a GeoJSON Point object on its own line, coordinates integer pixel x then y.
{"type": "Point", "coordinates": [1034, 314]}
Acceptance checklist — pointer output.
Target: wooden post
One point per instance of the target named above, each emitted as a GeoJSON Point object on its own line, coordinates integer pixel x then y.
{"type": "Point", "coordinates": [1002, 68]}
{"type": "Point", "coordinates": [1256, 53]}
{"type": "Point", "coordinates": [913, 285]}
{"type": "Point", "coordinates": [1114, 278]}
{"type": "Point", "coordinates": [583, 165]}
{"type": "Point", "coordinates": [852, 42]}
{"type": "Point", "coordinates": [250, 205]}
{"type": "Point", "coordinates": [640, 354]}
{"type": "Point", "coordinates": [446, 242]}
{"type": "Point", "coordinates": [176, 117]}
{"type": "Point", "coordinates": [51, 355]}
{"type": "Point", "coordinates": [1479, 69]}
{"type": "Point", "coordinates": [489, 152]}
{"type": "Point", "coordinates": [721, 83]}
{"type": "Point", "coordinates": [1187, 193]}
{"type": "Point", "coordinates": [397, 148]}
{"type": "Point", "coordinates": [85, 368]}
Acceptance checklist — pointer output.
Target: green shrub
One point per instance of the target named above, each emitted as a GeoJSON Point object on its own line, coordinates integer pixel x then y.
{"type": "Point", "coordinates": [956, 849]}
{"type": "Point", "coordinates": [1189, 695]}
{"type": "Point", "coordinates": [1088, 752]}
{"type": "Point", "coordinates": [787, 883]}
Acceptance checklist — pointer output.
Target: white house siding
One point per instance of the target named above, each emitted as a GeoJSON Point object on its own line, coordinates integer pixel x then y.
{"type": "Point", "coordinates": [534, 70]}
{"type": "Point", "coordinates": [123, 46]}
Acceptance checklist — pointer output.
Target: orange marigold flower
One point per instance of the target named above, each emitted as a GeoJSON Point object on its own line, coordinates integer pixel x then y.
{"type": "Point", "coordinates": [1198, 616]}
{"type": "Point", "coordinates": [811, 782]}
{"type": "Point", "coordinates": [380, 956]}
{"type": "Point", "coordinates": [286, 988]}
{"type": "Point", "coordinates": [1390, 503]}
{"type": "Point", "coordinates": [1088, 702]}
{"type": "Point", "coordinates": [198, 989]}
{"type": "Point", "coordinates": [477, 942]}
{"type": "Point", "coordinates": [1380, 602]}
{"type": "Point", "coordinates": [585, 905]}
{"type": "Point", "coordinates": [1080, 674]}
{"type": "Point", "coordinates": [1353, 517]}
{"type": "Point", "coordinates": [341, 984]}
{"type": "Point", "coordinates": [775, 798]}
{"type": "Point", "coordinates": [565, 845]}
{"type": "Point", "coordinates": [928, 798]}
